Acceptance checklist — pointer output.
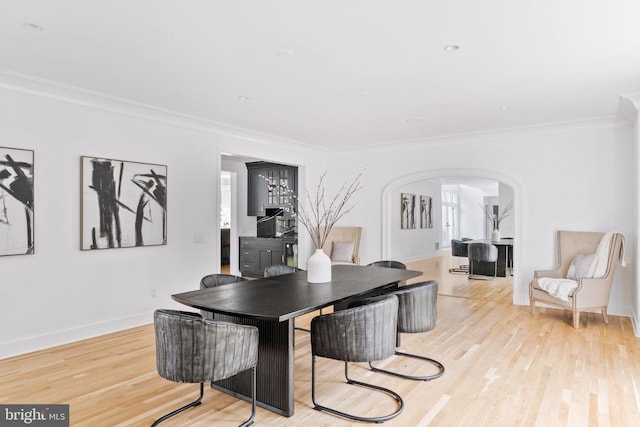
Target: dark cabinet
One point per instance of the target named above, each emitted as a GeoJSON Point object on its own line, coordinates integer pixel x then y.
{"type": "Point", "coordinates": [257, 253]}
{"type": "Point", "coordinates": [270, 186]}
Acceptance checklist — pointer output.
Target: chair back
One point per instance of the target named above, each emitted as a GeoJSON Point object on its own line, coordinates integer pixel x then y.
{"type": "Point", "coordinates": [190, 349]}
{"type": "Point", "coordinates": [358, 334]}
{"type": "Point", "coordinates": [213, 280]}
{"type": "Point", "coordinates": [388, 264]}
{"type": "Point", "coordinates": [279, 270]}
{"type": "Point", "coordinates": [458, 248]}
{"type": "Point", "coordinates": [572, 243]}
{"type": "Point", "coordinates": [417, 307]}
{"type": "Point", "coordinates": [482, 252]}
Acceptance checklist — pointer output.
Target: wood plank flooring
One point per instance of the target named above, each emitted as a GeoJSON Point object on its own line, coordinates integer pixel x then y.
{"type": "Point", "coordinates": [504, 367]}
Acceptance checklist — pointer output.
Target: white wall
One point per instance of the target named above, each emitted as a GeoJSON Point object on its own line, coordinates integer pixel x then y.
{"type": "Point", "coordinates": [61, 294]}
{"type": "Point", "coordinates": [414, 244]}
{"type": "Point", "coordinates": [472, 217]}
{"type": "Point", "coordinates": [575, 177]}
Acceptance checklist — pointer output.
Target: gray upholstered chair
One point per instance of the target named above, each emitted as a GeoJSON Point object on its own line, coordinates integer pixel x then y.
{"type": "Point", "coordinates": [190, 349]}
{"type": "Point", "coordinates": [459, 249]}
{"type": "Point", "coordinates": [388, 264]}
{"type": "Point", "coordinates": [417, 313]}
{"type": "Point", "coordinates": [213, 280]}
{"type": "Point", "coordinates": [362, 333]}
{"type": "Point", "coordinates": [279, 270]}
{"type": "Point", "coordinates": [482, 253]}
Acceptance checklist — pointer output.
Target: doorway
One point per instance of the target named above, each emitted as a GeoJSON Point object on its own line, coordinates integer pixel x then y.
{"type": "Point", "coordinates": [508, 190]}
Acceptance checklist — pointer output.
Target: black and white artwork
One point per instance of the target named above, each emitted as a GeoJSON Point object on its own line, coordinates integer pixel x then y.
{"type": "Point", "coordinates": [407, 211]}
{"type": "Point", "coordinates": [426, 219]}
{"type": "Point", "coordinates": [124, 204]}
{"type": "Point", "coordinates": [16, 202]}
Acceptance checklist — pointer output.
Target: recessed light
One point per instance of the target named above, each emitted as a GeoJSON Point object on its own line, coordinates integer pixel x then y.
{"type": "Point", "coordinates": [243, 98]}
{"type": "Point", "coordinates": [414, 121]}
{"type": "Point", "coordinates": [505, 107]}
{"type": "Point", "coordinates": [31, 27]}
{"type": "Point", "coordinates": [364, 93]}
{"type": "Point", "coordinates": [284, 52]}
{"type": "Point", "coordinates": [452, 47]}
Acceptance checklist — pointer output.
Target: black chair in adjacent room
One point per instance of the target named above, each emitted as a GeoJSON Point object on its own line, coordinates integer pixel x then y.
{"type": "Point", "coordinates": [482, 253]}
{"type": "Point", "coordinates": [190, 349]}
{"type": "Point", "coordinates": [362, 333]}
{"type": "Point", "coordinates": [417, 313]}
{"type": "Point", "coordinates": [459, 249]}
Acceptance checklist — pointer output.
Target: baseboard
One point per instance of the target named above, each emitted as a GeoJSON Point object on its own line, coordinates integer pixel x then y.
{"type": "Point", "coordinates": [41, 342]}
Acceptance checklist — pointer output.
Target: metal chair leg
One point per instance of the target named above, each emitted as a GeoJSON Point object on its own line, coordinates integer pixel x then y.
{"type": "Point", "coordinates": [434, 362]}
{"type": "Point", "coordinates": [253, 399]}
{"type": "Point", "coordinates": [184, 408]}
{"type": "Point", "coordinates": [351, 381]}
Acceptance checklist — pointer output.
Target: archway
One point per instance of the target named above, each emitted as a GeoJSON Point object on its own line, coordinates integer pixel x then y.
{"type": "Point", "coordinates": [520, 291]}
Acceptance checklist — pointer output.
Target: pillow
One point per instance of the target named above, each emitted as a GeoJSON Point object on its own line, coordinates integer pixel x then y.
{"type": "Point", "coordinates": [581, 266]}
{"type": "Point", "coordinates": [342, 251]}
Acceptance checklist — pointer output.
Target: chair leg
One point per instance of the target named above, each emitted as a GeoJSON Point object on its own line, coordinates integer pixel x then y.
{"type": "Point", "coordinates": [533, 305]}
{"type": "Point", "coordinates": [576, 319]}
{"type": "Point", "coordinates": [177, 411]}
{"type": "Point", "coordinates": [380, 419]}
{"type": "Point", "coordinates": [604, 315]}
{"type": "Point", "coordinates": [253, 399]}
{"type": "Point", "coordinates": [434, 362]}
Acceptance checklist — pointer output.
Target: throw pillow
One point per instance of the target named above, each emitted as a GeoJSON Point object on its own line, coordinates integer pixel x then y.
{"type": "Point", "coordinates": [342, 251]}
{"type": "Point", "coordinates": [581, 266]}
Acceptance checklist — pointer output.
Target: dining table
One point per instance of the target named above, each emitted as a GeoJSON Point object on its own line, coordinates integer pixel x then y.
{"type": "Point", "coordinates": [272, 304]}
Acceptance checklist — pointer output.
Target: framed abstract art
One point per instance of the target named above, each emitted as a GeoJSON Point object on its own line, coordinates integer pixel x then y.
{"type": "Point", "coordinates": [123, 203]}
{"type": "Point", "coordinates": [16, 202]}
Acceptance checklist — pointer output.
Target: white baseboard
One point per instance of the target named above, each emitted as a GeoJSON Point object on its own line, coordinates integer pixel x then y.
{"type": "Point", "coordinates": [41, 342]}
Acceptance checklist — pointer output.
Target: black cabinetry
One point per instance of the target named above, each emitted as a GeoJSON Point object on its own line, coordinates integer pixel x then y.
{"type": "Point", "coordinates": [270, 185]}
{"type": "Point", "coordinates": [257, 253]}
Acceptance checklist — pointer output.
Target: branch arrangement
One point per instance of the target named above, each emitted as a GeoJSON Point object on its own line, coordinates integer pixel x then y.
{"type": "Point", "coordinates": [320, 217]}
{"type": "Point", "coordinates": [497, 219]}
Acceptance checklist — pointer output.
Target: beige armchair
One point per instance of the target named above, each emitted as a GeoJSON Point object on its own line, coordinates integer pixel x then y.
{"type": "Point", "coordinates": [591, 294]}
{"type": "Point", "coordinates": [338, 245]}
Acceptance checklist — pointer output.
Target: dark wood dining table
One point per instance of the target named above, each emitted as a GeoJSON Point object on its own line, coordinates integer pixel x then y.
{"type": "Point", "coordinates": [272, 304]}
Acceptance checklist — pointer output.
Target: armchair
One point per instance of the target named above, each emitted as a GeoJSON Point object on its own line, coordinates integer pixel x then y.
{"type": "Point", "coordinates": [592, 288]}
{"type": "Point", "coordinates": [343, 244]}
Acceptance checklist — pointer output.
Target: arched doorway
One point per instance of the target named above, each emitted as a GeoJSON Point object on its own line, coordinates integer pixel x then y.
{"type": "Point", "coordinates": [390, 204]}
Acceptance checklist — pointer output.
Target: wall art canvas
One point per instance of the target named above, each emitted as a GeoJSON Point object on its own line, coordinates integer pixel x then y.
{"type": "Point", "coordinates": [426, 219]}
{"type": "Point", "coordinates": [124, 204]}
{"type": "Point", "coordinates": [16, 202]}
{"type": "Point", "coordinates": [407, 211]}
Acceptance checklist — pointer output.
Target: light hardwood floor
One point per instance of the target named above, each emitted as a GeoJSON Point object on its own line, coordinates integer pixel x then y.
{"type": "Point", "coordinates": [504, 367]}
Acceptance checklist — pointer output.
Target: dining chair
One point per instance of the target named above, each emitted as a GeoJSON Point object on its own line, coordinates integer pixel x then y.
{"type": "Point", "coordinates": [213, 280]}
{"type": "Point", "coordinates": [388, 264]}
{"type": "Point", "coordinates": [362, 333]}
{"type": "Point", "coordinates": [417, 313]}
{"type": "Point", "coordinates": [482, 252]}
{"type": "Point", "coordinates": [191, 349]}
{"type": "Point", "coordinates": [279, 270]}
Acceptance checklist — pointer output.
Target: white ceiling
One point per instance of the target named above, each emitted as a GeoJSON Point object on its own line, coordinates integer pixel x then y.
{"type": "Point", "coordinates": [350, 73]}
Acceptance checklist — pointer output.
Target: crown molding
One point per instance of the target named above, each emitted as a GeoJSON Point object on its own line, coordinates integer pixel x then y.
{"type": "Point", "coordinates": [35, 86]}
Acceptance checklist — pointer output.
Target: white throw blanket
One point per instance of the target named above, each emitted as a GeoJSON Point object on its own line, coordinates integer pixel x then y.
{"type": "Point", "coordinates": [559, 288]}
{"type": "Point", "coordinates": [562, 288]}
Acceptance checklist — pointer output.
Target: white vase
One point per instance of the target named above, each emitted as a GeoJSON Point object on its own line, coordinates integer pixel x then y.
{"type": "Point", "coordinates": [495, 235]}
{"type": "Point", "coordinates": [319, 267]}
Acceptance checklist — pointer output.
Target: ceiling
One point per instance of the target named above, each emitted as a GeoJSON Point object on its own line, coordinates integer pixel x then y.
{"type": "Point", "coordinates": [335, 73]}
